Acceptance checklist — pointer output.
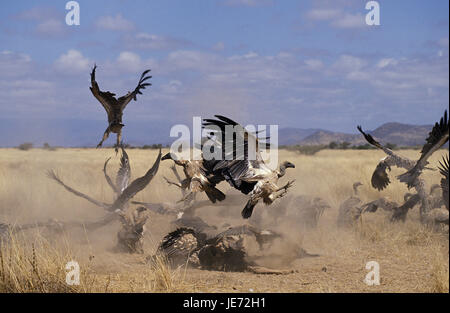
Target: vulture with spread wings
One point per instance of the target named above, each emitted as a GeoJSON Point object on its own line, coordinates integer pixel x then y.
{"type": "Point", "coordinates": [241, 163]}
{"type": "Point", "coordinates": [443, 168]}
{"type": "Point", "coordinates": [436, 139]}
{"type": "Point", "coordinates": [438, 136]}
{"type": "Point", "coordinates": [380, 178]}
{"type": "Point", "coordinates": [123, 195]}
{"type": "Point", "coordinates": [123, 174]}
{"type": "Point", "coordinates": [114, 106]}
{"type": "Point", "coordinates": [197, 178]}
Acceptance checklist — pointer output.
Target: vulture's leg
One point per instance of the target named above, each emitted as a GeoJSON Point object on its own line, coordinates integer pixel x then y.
{"type": "Point", "coordinates": [119, 139]}
{"type": "Point", "coordinates": [172, 183]}
{"type": "Point", "coordinates": [288, 185]}
{"type": "Point", "coordinates": [188, 197]}
{"type": "Point", "coordinates": [105, 136]}
{"type": "Point", "coordinates": [284, 189]}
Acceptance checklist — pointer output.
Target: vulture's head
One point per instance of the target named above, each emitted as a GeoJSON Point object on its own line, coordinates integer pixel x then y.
{"type": "Point", "coordinates": [283, 167]}
{"type": "Point", "coordinates": [287, 164]}
{"type": "Point", "coordinates": [355, 186]}
{"type": "Point", "coordinates": [169, 156]}
{"type": "Point", "coordinates": [407, 196]}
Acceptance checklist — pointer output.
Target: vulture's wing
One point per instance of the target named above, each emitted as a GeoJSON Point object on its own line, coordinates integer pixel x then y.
{"type": "Point", "coordinates": [158, 208]}
{"type": "Point", "coordinates": [107, 98]}
{"type": "Point", "coordinates": [124, 173]}
{"type": "Point", "coordinates": [193, 222]}
{"type": "Point", "coordinates": [370, 139]}
{"type": "Point", "coordinates": [180, 243]}
{"type": "Point", "coordinates": [379, 203]}
{"type": "Point", "coordinates": [444, 165]}
{"type": "Point", "coordinates": [52, 175]}
{"type": "Point", "coordinates": [400, 212]}
{"type": "Point", "coordinates": [124, 100]}
{"type": "Point", "coordinates": [371, 207]}
{"type": "Point", "coordinates": [239, 151]}
{"type": "Point", "coordinates": [380, 178]}
{"type": "Point", "coordinates": [238, 230]}
{"type": "Point", "coordinates": [437, 138]}
{"type": "Point", "coordinates": [136, 186]}
{"type": "Point", "coordinates": [108, 179]}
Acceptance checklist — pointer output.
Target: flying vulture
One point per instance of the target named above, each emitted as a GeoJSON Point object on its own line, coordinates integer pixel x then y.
{"type": "Point", "coordinates": [241, 163]}
{"type": "Point", "coordinates": [114, 106]}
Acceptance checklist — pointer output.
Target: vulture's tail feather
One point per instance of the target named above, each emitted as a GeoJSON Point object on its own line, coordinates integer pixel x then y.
{"type": "Point", "coordinates": [214, 194]}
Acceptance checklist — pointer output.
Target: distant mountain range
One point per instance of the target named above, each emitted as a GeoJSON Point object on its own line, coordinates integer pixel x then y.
{"type": "Point", "coordinates": [394, 133]}
{"type": "Point", "coordinates": [87, 133]}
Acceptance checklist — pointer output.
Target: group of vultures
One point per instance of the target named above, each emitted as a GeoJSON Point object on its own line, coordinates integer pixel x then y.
{"type": "Point", "coordinates": [241, 165]}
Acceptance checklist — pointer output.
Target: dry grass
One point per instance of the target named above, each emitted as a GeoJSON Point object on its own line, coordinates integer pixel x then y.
{"type": "Point", "coordinates": [38, 267]}
{"type": "Point", "coordinates": [412, 257]}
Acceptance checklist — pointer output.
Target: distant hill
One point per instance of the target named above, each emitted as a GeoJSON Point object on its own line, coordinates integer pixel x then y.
{"type": "Point", "coordinates": [394, 133]}
{"type": "Point", "coordinates": [292, 136]}
{"type": "Point", "coordinates": [87, 133]}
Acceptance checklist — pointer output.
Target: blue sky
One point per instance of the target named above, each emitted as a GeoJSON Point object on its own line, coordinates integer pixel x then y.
{"type": "Point", "coordinates": [305, 64]}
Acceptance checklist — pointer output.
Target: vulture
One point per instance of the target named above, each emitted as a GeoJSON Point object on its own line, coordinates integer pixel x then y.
{"type": "Point", "coordinates": [241, 163]}
{"type": "Point", "coordinates": [130, 236]}
{"type": "Point", "coordinates": [436, 139]}
{"type": "Point", "coordinates": [380, 179]}
{"type": "Point", "coordinates": [114, 106]}
{"type": "Point", "coordinates": [382, 203]}
{"type": "Point", "coordinates": [350, 209]}
{"type": "Point", "coordinates": [262, 237]}
{"type": "Point", "coordinates": [443, 169]}
{"type": "Point", "coordinates": [306, 210]}
{"type": "Point", "coordinates": [224, 251]}
{"type": "Point", "coordinates": [123, 175]}
{"type": "Point", "coordinates": [438, 136]}
{"type": "Point", "coordinates": [399, 213]}
{"type": "Point", "coordinates": [197, 178]}
{"type": "Point", "coordinates": [128, 192]}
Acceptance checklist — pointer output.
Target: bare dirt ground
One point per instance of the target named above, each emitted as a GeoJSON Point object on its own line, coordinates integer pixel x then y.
{"type": "Point", "coordinates": [412, 258]}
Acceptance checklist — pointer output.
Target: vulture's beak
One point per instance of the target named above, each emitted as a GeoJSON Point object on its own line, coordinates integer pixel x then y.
{"type": "Point", "coordinates": [167, 156]}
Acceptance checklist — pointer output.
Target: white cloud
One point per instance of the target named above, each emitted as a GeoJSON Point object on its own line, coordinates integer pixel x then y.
{"type": "Point", "coordinates": [220, 46]}
{"type": "Point", "coordinates": [248, 55]}
{"type": "Point", "coordinates": [348, 63]}
{"type": "Point", "coordinates": [37, 14]}
{"type": "Point", "coordinates": [72, 62]}
{"type": "Point", "coordinates": [146, 41]}
{"type": "Point", "coordinates": [386, 62]}
{"type": "Point", "coordinates": [337, 18]}
{"type": "Point", "coordinates": [349, 21]}
{"type": "Point", "coordinates": [314, 64]}
{"type": "Point", "coordinates": [187, 59]}
{"type": "Point", "coordinates": [115, 23]}
{"type": "Point", "coordinates": [132, 62]}
{"type": "Point", "coordinates": [281, 85]}
{"type": "Point", "coordinates": [323, 14]}
{"type": "Point", "coordinates": [14, 64]}
{"type": "Point", "coordinates": [51, 27]}
{"type": "Point", "coordinates": [173, 87]}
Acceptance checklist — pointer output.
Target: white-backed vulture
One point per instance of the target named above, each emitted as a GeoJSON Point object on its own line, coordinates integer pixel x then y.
{"type": "Point", "coordinates": [250, 176]}
{"type": "Point", "coordinates": [444, 164]}
{"type": "Point", "coordinates": [114, 106]}
{"type": "Point", "coordinates": [436, 139]}
{"type": "Point", "coordinates": [196, 178]}
{"type": "Point", "coordinates": [350, 209]}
